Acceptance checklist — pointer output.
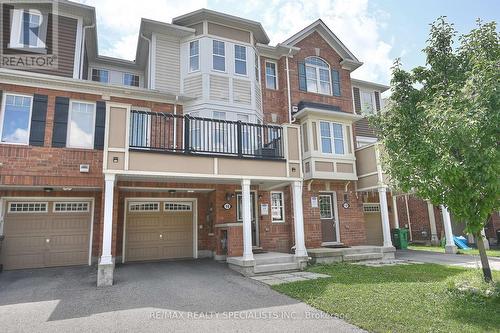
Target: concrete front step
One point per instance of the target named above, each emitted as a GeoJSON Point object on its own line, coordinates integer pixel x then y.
{"type": "Point", "coordinates": [272, 268]}
{"type": "Point", "coordinates": [363, 256]}
{"type": "Point", "coordinates": [362, 249]}
{"type": "Point", "coordinates": [274, 259]}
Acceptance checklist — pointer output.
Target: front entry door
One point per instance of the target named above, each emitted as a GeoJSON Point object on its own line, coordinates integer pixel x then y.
{"type": "Point", "coordinates": [329, 223]}
{"type": "Point", "coordinates": [255, 224]}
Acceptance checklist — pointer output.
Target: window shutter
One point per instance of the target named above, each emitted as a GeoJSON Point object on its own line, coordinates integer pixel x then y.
{"type": "Point", "coordinates": [60, 131]}
{"type": "Point", "coordinates": [377, 100]}
{"type": "Point", "coordinates": [302, 76]}
{"type": "Point", "coordinates": [336, 82]}
{"type": "Point", "coordinates": [357, 100]}
{"type": "Point", "coordinates": [100, 120]}
{"type": "Point", "coordinates": [38, 116]}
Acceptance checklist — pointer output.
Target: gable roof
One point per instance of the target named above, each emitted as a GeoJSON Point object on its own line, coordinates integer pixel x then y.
{"type": "Point", "coordinates": [348, 58]}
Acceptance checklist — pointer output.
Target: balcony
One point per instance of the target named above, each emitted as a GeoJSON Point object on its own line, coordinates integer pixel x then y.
{"type": "Point", "coordinates": [145, 143]}
{"type": "Point", "coordinates": [169, 133]}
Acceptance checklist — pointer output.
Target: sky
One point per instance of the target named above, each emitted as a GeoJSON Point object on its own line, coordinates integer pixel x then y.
{"type": "Point", "coordinates": [376, 31]}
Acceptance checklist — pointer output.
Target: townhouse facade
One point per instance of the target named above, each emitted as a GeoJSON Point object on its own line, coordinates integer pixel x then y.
{"type": "Point", "coordinates": [212, 143]}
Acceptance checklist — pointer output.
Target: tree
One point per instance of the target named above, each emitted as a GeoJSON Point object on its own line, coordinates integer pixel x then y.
{"type": "Point", "coordinates": [441, 129]}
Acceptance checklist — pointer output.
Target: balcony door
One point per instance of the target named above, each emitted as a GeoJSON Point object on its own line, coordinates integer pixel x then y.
{"type": "Point", "coordinates": [329, 217]}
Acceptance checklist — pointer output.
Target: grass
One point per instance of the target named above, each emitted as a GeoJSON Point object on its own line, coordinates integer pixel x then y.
{"type": "Point", "coordinates": [403, 298]}
{"type": "Point", "coordinates": [490, 253]}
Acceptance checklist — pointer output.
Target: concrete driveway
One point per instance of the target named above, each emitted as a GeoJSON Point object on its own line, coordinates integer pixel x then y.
{"type": "Point", "coordinates": [463, 260]}
{"type": "Point", "coordinates": [193, 296]}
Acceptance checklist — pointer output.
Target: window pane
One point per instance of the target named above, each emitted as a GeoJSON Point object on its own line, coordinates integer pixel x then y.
{"type": "Point", "coordinates": [325, 207]}
{"type": "Point", "coordinates": [316, 62]}
{"type": "Point", "coordinates": [366, 102]}
{"type": "Point", "coordinates": [325, 88]}
{"type": "Point", "coordinates": [270, 75]}
{"type": "Point", "coordinates": [16, 119]}
{"type": "Point", "coordinates": [193, 48]}
{"type": "Point", "coordinates": [311, 73]}
{"type": "Point", "coordinates": [326, 145]}
{"type": "Point", "coordinates": [277, 206]}
{"type": "Point", "coordinates": [240, 52]}
{"type": "Point", "coordinates": [218, 48]}
{"type": "Point", "coordinates": [81, 132]}
{"type": "Point", "coordinates": [194, 52]}
{"type": "Point", "coordinates": [324, 75]}
{"type": "Point", "coordinates": [325, 129]}
{"type": "Point", "coordinates": [131, 80]}
{"type": "Point", "coordinates": [219, 63]}
{"type": "Point", "coordinates": [270, 82]}
{"type": "Point", "coordinates": [194, 63]}
{"type": "Point", "coordinates": [337, 131]}
{"type": "Point", "coordinates": [339, 147]}
{"type": "Point", "coordinates": [338, 138]}
{"type": "Point", "coordinates": [240, 67]}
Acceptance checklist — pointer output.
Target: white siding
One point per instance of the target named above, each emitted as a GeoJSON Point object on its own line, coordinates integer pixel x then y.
{"type": "Point", "coordinates": [242, 91]}
{"type": "Point", "coordinates": [167, 76]}
{"type": "Point", "coordinates": [219, 88]}
{"type": "Point", "coordinates": [193, 86]}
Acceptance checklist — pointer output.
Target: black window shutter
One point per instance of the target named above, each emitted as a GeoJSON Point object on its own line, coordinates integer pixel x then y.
{"type": "Point", "coordinates": [60, 131]}
{"type": "Point", "coordinates": [38, 116]}
{"type": "Point", "coordinates": [357, 100]}
{"type": "Point", "coordinates": [302, 76]}
{"type": "Point", "coordinates": [100, 120]}
{"type": "Point", "coordinates": [377, 100]}
{"type": "Point", "coordinates": [336, 82]}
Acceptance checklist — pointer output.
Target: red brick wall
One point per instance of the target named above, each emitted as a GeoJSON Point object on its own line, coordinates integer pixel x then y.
{"type": "Point", "coordinates": [493, 225]}
{"type": "Point", "coordinates": [275, 101]}
{"type": "Point", "coordinates": [351, 220]}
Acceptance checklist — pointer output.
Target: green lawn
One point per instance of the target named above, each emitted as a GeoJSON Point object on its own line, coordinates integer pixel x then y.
{"type": "Point", "coordinates": [491, 253]}
{"type": "Point", "coordinates": [403, 298]}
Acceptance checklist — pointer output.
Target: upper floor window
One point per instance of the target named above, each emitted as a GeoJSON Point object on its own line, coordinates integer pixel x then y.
{"type": "Point", "coordinates": [219, 56]}
{"type": "Point", "coordinates": [318, 76]}
{"type": "Point", "coordinates": [366, 102]}
{"type": "Point", "coordinates": [332, 138]}
{"type": "Point", "coordinates": [26, 29]}
{"type": "Point", "coordinates": [81, 125]}
{"type": "Point", "coordinates": [271, 75]}
{"type": "Point", "coordinates": [100, 75]}
{"type": "Point", "coordinates": [194, 56]}
{"type": "Point", "coordinates": [240, 60]}
{"type": "Point", "coordinates": [16, 117]}
{"type": "Point", "coordinates": [131, 80]}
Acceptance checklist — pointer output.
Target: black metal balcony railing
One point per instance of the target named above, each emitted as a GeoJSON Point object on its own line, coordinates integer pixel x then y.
{"type": "Point", "coordinates": [166, 132]}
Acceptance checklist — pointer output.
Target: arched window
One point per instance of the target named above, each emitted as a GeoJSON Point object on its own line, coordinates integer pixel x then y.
{"type": "Point", "coordinates": [318, 76]}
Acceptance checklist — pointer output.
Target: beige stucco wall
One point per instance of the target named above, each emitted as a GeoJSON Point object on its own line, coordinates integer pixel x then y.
{"type": "Point", "coordinates": [366, 160]}
{"type": "Point", "coordinates": [230, 166]}
{"type": "Point", "coordinates": [293, 143]}
{"type": "Point", "coordinates": [229, 33]}
{"type": "Point", "coordinates": [143, 161]}
{"type": "Point", "coordinates": [117, 127]}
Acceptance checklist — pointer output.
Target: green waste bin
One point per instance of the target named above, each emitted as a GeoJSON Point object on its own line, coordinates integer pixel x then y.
{"type": "Point", "coordinates": [400, 238]}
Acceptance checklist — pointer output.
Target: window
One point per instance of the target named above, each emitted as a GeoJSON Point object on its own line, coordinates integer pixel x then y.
{"type": "Point", "coordinates": [366, 102]}
{"type": "Point", "coordinates": [194, 56]}
{"type": "Point", "coordinates": [219, 56]}
{"type": "Point", "coordinates": [240, 60]}
{"type": "Point", "coordinates": [81, 124]}
{"type": "Point", "coordinates": [257, 67]}
{"type": "Point", "coordinates": [144, 207]}
{"type": "Point", "coordinates": [271, 75]}
{"type": "Point", "coordinates": [140, 125]}
{"type": "Point", "coordinates": [131, 80]}
{"type": "Point", "coordinates": [16, 119]}
{"type": "Point", "coordinates": [318, 76]}
{"type": "Point", "coordinates": [277, 207]}
{"type": "Point", "coordinates": [332, 138]}
{"type": "Point", "coordinates": [170, 206]}
{"type": "Point", "coordinates": [325, 207]}
{"type": "Point", "coordinates": [26, 29]}
{"type": "Point", "coordinates": [219, 133]}
{"type": "Point", "coordinates": [73, 207]}
{"type": "Point", "coordinates": [28, 207]}
{"type": "Point", "coordinates": [100, 75]}
{"type": "Point", "coordinates": [245, 133]}
{"type": "Point", "coordinates": [239, 207]}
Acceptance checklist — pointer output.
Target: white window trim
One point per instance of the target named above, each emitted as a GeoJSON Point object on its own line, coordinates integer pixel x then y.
{"type": "Point", "coordinates": [46, 203]}
{"type": "Point", "coordinates": [372, 95]}
{"type": "Point", "coordinates": [246, 60]}
{"type": "Point", "coordinates": [217, 55]}
{"type": "Point", "coordinates": [70, 112]}
{"type": "Point", "coordinates": [129, 85]}
{"type": "Point", "coordinates": [318, 80]}
{"type": "Point", "coordinates": [190, 56]}
{"type": "Point", "coordinates": [4, 103]}
{"type": "Point", "coordinates": [333, 153]}
{"type": "Point", "coordinates": [99, 69]}
{"type": "Point", "coordinates": [275, 71]}
{"type": "Point", "coordinates": [282, 207]}
{"type": "Point", "coordinates": [143, 203]}
{"type": "Point", "coordinates": [70, 211]}
{"type": "Point", "coordinates": [331, 207]}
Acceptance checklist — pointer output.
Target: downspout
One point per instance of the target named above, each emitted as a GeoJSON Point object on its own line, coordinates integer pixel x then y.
{"type": "Point", "coordinates": [290, 119]}
{"type": "Point", "coordinates": [149, 58]}
{"type": "Point", "coordinates": [175, 121]}
{"type": "Point", "coordinates": [82, 49]}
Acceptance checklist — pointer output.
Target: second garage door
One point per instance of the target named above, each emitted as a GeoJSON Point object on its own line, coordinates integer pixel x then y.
{"type": "Point", "coordinates": [159, 231]}
{"type": "Point", "coordinates": [46, 234]}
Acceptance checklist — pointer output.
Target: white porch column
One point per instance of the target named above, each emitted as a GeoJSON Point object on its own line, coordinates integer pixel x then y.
{"type": "Point", "coordinates": [247, 220]}
{"type": "Point", "coordinates": [395, 212]}
{"type": "Point", "coordinates": [107, 233]}
{"type": "Point", "coordinates": [432, 222]}
{"type": "Point", "coordinates": [384, 213]}
{"type": "Point", "coordinates": [298, 217]}
{"type": "Point", "coordinates": [450, 244]}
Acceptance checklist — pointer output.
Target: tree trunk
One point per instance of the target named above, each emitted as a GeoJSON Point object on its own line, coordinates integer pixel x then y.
{"type": "Point", "coordinates": [484, 257]}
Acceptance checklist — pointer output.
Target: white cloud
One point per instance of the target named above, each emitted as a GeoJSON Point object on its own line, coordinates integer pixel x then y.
{"type": "Point", "coordinates": [359, 26]}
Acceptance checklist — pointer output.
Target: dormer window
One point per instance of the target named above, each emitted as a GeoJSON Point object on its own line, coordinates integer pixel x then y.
{"type": "Point", "coordinates": [316, 76]}
{"type": "Point", "coordinates": [100, 75]}
{"type": "Point", "coordinates": [131, 80]}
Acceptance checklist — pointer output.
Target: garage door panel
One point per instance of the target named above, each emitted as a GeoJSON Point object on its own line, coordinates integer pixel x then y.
{"type": "Point", "coordinates": [174, 251]}
{"type": "Point", "coordinates": [46, 239]}
{"type": "Point", "coordinates": [143, 253]}
{"type": "Point", "coordinates": [142, 222]}
{"type": "Point", "coordinates": [373, 226]}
